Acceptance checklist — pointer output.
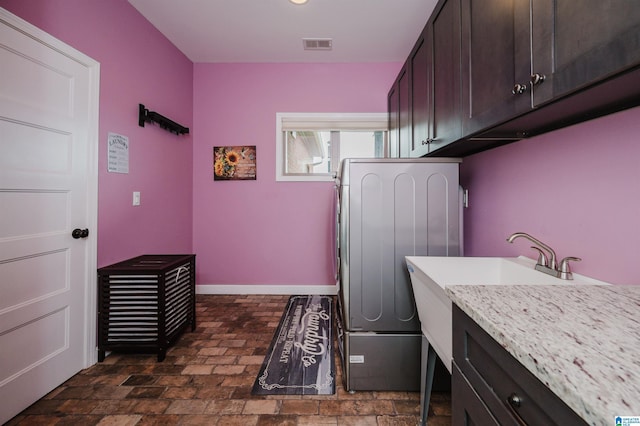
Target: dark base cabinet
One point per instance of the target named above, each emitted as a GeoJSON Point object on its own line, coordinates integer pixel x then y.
{"type": "Point", "coordinates": [490, 387]}
{"type": "Point", "coordinates": [145, 303]}
{"type": "Point", "coordinates": [467, 405]}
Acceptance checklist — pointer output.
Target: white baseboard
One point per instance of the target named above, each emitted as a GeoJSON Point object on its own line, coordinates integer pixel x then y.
{"type": "Point", "coordinates": [330, 290]}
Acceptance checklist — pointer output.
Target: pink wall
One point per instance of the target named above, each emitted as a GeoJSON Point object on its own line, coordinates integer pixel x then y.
{"type": "Point", "coordinates": [137, 65]}
{"type": "Point", "coordinates": [575, 189]}
{"type": "Point", "coordinates": [263, 231]}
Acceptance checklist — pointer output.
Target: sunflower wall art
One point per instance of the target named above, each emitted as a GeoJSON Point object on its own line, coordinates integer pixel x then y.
{"type": "Point", "coordinates": [234, 163]}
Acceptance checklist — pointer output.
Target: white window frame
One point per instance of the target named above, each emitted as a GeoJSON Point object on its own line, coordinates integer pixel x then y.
{"type": "Point", "coordinates": [321, 121]}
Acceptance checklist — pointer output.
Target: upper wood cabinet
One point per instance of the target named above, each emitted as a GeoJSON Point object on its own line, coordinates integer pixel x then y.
{"type": "Point", "coordinates": [575, 44]}
{"type": "Point", "coordinates": [435, 76]}
{"type": "Point", "coordinates": [488, 72]}
{"type": "Point", "coordinates": [497, 65]}
{"type": "Point", "coordinates": [522, 55]}
{"type": "Point", "coordinates": [404, 118]}
{"type": "Point", "coordinates": [446, 91]}
{"type": "Point", "coordinates": [399, 116]}
{"type": "Point", "coordinates": [432, 113]}
{"type": "Point", "coordinates": [393, 108]}
{"type": "Point", "coordinates": [420, 63]}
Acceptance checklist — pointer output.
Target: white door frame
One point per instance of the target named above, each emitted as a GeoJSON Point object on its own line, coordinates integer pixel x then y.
{"type": "Point", "coordinates": [90, 303]}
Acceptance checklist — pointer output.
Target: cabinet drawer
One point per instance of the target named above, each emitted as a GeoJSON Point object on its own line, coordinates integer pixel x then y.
{"type": "Point", "coordinates": [498, 378]}
{"type": "Point", "coordinates": [467, 407]}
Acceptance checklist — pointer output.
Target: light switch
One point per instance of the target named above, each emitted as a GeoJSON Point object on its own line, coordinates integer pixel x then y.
{"type": "Point", "coordinates": [136, 198]}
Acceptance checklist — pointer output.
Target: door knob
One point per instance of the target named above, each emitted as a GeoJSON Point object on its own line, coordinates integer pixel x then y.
{"type": "Point", "coordinates": [537, 78]}
{"type": "Point", "coordinates": [519, 89]}
{"type": "Point", "coordinates": [80, 233]}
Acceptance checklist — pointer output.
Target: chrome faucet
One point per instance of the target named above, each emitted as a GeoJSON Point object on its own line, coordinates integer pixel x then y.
{"type": "Point", "coordinates": [543, 260]}
{"type": "Point", "coordinates": [547, 262]}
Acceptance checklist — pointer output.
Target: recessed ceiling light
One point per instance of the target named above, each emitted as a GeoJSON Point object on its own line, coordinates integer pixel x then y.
{"type": "Point", "coordinates": [298, 1]}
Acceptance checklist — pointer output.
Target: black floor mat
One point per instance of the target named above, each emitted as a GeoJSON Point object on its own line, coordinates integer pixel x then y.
{"type": "Point", "coordinates": [300, 359]}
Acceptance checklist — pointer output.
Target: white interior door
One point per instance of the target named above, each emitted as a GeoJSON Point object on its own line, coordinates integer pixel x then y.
{"type": "Point", "coordinates": [48, 185]}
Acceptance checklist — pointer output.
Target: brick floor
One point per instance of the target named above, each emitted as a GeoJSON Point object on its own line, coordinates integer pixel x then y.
{"type": "Point", "coordinates": [206, 379]}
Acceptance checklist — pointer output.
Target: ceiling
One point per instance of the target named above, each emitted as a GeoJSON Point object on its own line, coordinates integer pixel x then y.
{"type": "Point", "coordinates": [272, 30]}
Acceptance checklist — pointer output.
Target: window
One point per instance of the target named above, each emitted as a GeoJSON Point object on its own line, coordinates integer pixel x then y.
{"type": "Point", "coordinates": [310, 146]}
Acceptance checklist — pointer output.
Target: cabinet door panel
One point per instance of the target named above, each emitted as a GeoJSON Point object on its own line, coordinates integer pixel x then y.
{"type": "Point", "coordinates": [399, 116]}
{"type": "Point", "coordinates": [404, 120]}
{"type": "Point", "coordinates": [496, 53]}
{"type": "Point", "coordinates": [446, 126]}
{"type": "Point", "coordinates": [574, 46]}
{"type": "Point", "coordinates": [393, 108]}
{"type": "Point", "coordinates": [420, 102]}
{"type": "Point", "coordinates": [467, 407]}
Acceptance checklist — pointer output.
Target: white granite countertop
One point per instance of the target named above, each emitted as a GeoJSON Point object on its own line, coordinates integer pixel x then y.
{"type": "Point", "coordinates": [583, 342]}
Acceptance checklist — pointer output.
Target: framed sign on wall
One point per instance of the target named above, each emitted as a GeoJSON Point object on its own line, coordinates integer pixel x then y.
{"type": "Point", "coordinates": [234, 163]}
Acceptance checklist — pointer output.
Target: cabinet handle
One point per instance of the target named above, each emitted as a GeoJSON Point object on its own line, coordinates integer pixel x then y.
{"type": "Point", "coordinates": [514, 402]}
{"type": "Point", "coordinates": [537, 78]}
{"type": "Point", "coordinates": [428, 141]}
{"type": "Point", "coordinates": [519, 89]}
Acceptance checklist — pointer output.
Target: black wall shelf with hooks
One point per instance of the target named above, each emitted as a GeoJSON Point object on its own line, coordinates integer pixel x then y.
{"type": "Point", "coordinates": [150, 116]}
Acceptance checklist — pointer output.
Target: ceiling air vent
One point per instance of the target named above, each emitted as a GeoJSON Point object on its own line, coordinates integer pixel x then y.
{"type": "Point", "coordinates": [317, 43]}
